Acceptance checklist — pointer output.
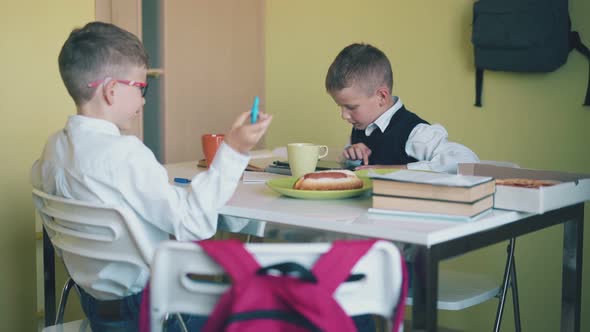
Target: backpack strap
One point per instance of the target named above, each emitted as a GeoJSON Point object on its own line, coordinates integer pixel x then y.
{"type": "Point", "coordinates": [238, 262]}
{"type": "Point", "coordinates": [576, 43]}
{"type": "Point", "coordinates": [478, 86]}
{"type": "Point", "coordinates": [399, 313]}
{"type": "Point", "coordinates": [144, 310]}
{"type": "Point", "coordinates": [334, 266]}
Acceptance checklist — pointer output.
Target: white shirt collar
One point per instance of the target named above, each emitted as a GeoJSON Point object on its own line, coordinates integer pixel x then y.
{"type": "Point", "coordinates": [93, 124]}
{"type": "Point", "coordinates": [383, 121]}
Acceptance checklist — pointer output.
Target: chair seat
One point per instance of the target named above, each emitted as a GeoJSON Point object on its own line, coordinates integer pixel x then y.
{"type": "Point", "coordinates": [82, 325]}
{"type": "Point", "coordinates": [459, 290]}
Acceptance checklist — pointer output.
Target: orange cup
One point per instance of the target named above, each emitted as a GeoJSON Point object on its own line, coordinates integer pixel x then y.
{"type": "Point", "coordinates": [211, 143]}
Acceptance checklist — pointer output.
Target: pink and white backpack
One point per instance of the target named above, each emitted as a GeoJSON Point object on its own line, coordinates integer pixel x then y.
{"type": "Point", "coordinates": [284, 297]}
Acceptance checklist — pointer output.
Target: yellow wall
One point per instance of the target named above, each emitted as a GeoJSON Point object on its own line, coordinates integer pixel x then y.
{"type": "Point", "coordinates": [535, 120]}
{"type": "Point", "coordinates": [33, 103]}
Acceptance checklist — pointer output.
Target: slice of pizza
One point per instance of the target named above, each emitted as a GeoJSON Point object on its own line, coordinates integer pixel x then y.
{"type": "Point", "coordinates": [526, 183]}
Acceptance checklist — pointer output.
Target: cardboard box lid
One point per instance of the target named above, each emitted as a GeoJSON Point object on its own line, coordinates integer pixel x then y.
{"type": "Point", "coordinates": [574, 189]}
{"type": "Point", "coordinates": [502, 172]}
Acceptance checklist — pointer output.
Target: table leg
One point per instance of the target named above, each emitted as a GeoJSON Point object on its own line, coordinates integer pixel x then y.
{"type": "Point", "coordinates": [571, 286]}
{"type": "Point", "coordinates": [515, 301]}
{"type": "Point", "coordinates": [508, 281]}
{"type": "Point", "coordinates": [425, 290]}
{"type": "Point", "coordinates": [48, 279]}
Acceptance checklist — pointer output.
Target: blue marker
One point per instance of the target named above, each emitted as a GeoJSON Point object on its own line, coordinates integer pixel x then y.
{"type": "Point", "coordinates": [254, 114]}
{"type": "Point", "coordinates": [182, 180]}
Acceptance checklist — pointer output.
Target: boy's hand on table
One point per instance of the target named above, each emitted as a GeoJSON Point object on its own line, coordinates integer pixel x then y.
{"type": "Point", "coordinates": [380, 166]}
{"type": "Point", "coordinates": [244, 135]}
{"type": "Point", "coordinates": [358, 151]}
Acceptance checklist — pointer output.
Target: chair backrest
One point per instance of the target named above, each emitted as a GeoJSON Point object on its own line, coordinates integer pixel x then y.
{"type": "Point", "coordinates": [172, 290]}
{"type": "Point", "coordinates": [93, 238]}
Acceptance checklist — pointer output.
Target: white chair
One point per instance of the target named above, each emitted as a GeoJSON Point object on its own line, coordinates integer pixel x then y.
{"type": "Point", "coordinates": [460, 290]}
{"type": "Point", "coordinates": [173, 291]}
{"type": "Point", "coordinates": [92, 237]}
{"type": "Point", "coordinates": [456, 290]}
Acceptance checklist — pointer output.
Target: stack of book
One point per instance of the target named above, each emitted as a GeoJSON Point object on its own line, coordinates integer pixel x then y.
{"type": "Point", "coordinates": [433, 193]}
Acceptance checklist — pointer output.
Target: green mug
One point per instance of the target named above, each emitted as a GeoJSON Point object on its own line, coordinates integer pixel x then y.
{"type": "Point", "coordinates": [303, 157]}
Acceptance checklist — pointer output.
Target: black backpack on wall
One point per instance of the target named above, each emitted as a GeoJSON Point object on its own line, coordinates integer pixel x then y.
{"type": "Point", "coordinates": [523, 36]}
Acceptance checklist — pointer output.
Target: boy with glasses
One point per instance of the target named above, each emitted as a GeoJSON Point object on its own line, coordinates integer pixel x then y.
{"type": "Point", "coordinates": [104, 70]}
{"type": "Point", "coordinates": [385, 134]}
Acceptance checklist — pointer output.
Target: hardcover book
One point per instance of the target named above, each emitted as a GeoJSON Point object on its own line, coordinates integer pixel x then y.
{"type": "Point", "coordinates": [421, 205]}
{"type": "Point", "coordinates": [433, 186]}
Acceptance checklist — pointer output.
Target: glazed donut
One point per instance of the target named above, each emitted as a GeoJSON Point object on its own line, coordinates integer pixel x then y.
{"type": "Point", "coordinates": [329, 180]}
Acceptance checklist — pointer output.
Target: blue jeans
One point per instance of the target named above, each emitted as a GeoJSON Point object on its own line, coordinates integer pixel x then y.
{"type": "Point", "coordinates": [123, 317]}
{"type": "Point", "coordinates": [364, 323]}
{"type": "Point", "coordinates": [126, 318]}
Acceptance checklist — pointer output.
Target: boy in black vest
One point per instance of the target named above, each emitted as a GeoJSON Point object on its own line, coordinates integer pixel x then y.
{"type": "Point", "coordinates": [385, 134]}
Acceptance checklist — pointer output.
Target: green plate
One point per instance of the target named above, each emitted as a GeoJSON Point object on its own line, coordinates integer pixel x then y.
{"type": "Point", "coordinates": [285, 186]}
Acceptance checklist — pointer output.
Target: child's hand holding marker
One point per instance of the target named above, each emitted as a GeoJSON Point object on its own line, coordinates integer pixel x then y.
{"type": "Point", "coordinates": [244, 134]}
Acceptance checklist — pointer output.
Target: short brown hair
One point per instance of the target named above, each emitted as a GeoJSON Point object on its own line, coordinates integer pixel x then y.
{"type": "Point", "coordinates": [96, 51]}
{"type": "Point", "coordinates": [361, 64]}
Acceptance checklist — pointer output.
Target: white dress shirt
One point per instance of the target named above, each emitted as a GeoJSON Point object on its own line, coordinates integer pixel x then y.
{"type": "Point", "coordinates": [90, 160]}
{"type": "Point", "coordinates": [428, 144]}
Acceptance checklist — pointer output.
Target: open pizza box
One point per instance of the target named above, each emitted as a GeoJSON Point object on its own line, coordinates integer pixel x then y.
{"type": "Point", "coordinates": [575, 188]}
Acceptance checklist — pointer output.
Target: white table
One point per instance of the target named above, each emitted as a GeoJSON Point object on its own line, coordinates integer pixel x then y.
{"type": "Point", "coordinates": [434, 239]}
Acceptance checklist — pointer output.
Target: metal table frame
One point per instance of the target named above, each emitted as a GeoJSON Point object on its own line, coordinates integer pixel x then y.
{"type": "Point", "coordinates": [426, 264]}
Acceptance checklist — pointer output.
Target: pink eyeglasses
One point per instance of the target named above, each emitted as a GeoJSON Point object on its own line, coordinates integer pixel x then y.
{"type": "Point", "coordinates": [143, 86]}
